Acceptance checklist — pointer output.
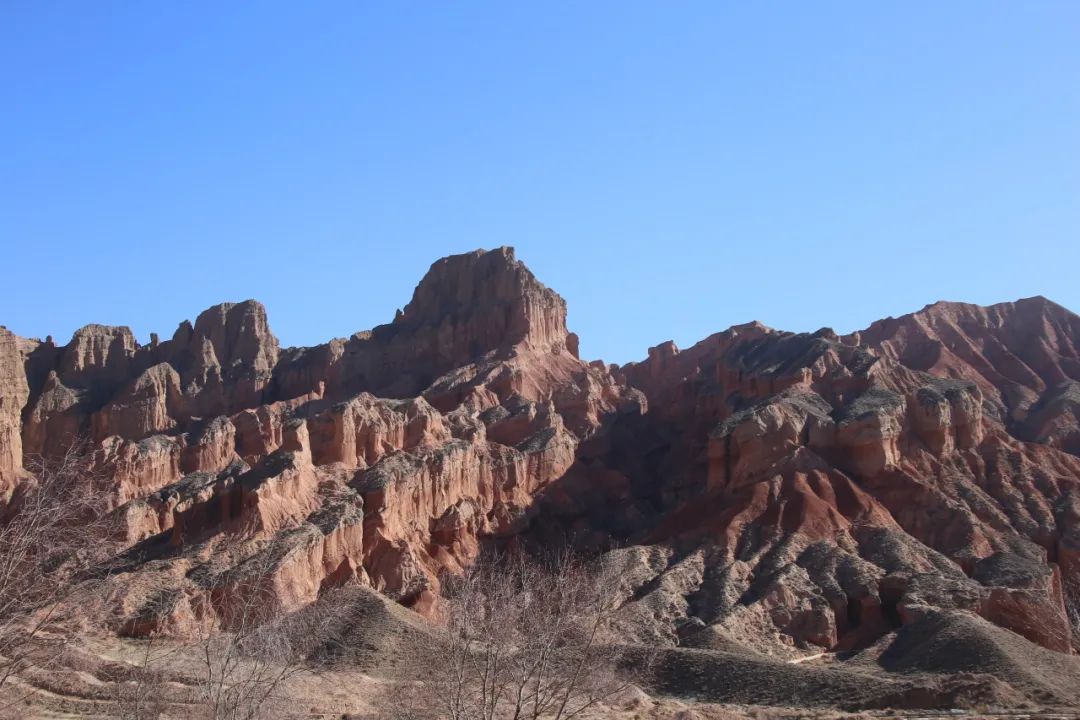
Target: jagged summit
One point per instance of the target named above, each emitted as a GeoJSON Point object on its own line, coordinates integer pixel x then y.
{"type": "Point", "coordinates": [484, 300]}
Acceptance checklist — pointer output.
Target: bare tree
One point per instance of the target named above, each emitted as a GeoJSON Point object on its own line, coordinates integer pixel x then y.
{"type": "Point", "coordinates": [54, 530]}
{"type": "Point", "coordinates": [247, 662]}
{"type": "Point", "coordinates": [524, 639]}
{"type": "Point", "coordinates": [1072, 606]}
{"type": "Point", "coordinates": [139, 690]}
{"type": "Point", "coordinates": [57, 555]}
{"type": "Point", "coordinates": [238, 664]}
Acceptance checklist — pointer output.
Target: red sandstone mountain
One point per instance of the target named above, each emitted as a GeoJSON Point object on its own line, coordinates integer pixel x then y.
{"type": "Point", "coordinates": [761, 488]}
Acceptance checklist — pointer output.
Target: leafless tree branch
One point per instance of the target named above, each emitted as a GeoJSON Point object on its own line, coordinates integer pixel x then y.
{"type": "Point", "coordinates": [522, 638]}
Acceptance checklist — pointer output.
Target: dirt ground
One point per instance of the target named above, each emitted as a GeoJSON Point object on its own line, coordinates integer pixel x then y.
{"type": "Point", "coordinates": [87, 681]}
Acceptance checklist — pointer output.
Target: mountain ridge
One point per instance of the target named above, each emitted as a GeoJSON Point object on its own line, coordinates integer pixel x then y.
{"type": "Point", "coordinates": [793, 491]}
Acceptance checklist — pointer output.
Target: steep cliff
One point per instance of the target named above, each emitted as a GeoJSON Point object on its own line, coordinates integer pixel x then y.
{"type": "Point", "coordinates": [14, 393]}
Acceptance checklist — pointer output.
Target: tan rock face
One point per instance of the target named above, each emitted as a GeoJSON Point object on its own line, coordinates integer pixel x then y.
{"type": "Point", "coordinates": [211, 446]}
{"type": "Point", "coordinates": [226, 359]}
{"type": "Point", "coordinates": [57, 418]}
{"type": "Point", "coordinates": [135, 469]}
{"type": "Point", "coordinates": [766, 489]}
{"type": "Point", "coordinates": [98, 354]}
{"type": "Point", "coordinates": [360, 431]}
{"type": "Point", "coordinates": [14, 393]}
{"type": "Point", "coordinates": [432, 506]}
{"type": "Point", "coordinates": [146, 406]}
{"type": "Point", "coordinates": [468, 304]}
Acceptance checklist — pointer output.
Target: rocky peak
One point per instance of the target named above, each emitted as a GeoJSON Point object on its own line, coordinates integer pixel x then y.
{"type": "Point", "coordinates": [98, 353]}
{"type": "Point", "coordinates": [238, 335]}
{"type": "Point", "coordinates": [225, 359]}
{"type": "Point", "coordinates": [483, 300]}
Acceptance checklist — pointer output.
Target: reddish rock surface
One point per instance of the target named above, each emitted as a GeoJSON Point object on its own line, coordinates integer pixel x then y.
{"type": "Point", "coordinates": [14, 393]}
{"type": "Point", "coordinates": [763, 488]}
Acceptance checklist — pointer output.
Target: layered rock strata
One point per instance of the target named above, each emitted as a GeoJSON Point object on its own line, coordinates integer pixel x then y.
{"type": "Point", "coordinates": [786, 492]}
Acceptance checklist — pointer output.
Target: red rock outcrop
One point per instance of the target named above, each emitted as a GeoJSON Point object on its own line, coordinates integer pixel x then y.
{"type": "Point", "coordinates": [848, 450]}
{"type": "Point", "coordinates": [427, 434]}
{"type": "Point", "coordinates": [360, 431]}
{"type": "Point", "coordinates": [1012, 351]}
{"type": "Point", "coordinates": [14, 393]}
{"type": "Point", "coordinates": [769, 489]}
{"type": "Point", "coordinates": [146, 406]}
{"type": "Point", "coordinates": [226, 359]}
{"type": "Point", "coordinates": [56, 418]}
{"type": "Point", "coordinates": [136, 468]}
{"type": "Point", "coordinates": [469, 304]}
{"type": "Point", "coordinates": [426, 511]}
{"type": "Point", "coordinates": [98, 355]}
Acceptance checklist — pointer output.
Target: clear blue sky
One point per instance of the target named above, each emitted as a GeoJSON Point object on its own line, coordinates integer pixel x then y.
{"type": "Point", "coordinates": [670, 168]}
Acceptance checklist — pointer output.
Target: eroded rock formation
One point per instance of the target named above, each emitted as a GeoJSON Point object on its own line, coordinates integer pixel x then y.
{"type": "Point", "coordinates": [14, 393]}
{"type": "Point", "coordinates": [763, 488]}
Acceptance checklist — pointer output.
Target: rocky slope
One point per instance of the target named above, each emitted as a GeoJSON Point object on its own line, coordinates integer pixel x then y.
{"type": "Point", "coordinates": [786, 492]}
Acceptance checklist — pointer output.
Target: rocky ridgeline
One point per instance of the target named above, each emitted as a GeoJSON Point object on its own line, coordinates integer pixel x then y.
{"type": "Point", "coordinates": [761, 488]}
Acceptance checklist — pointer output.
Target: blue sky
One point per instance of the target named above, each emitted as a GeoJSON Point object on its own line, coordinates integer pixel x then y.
{"type": "Point", "coordinates": [670, 168]}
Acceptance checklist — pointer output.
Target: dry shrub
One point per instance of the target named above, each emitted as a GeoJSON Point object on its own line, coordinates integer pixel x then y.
{"type": "Point", "coordinates": [55, 534]}
{"type": "Point", "coordinates": [522, 638]}
{"type": "Point", "coordinates": [239, 667]}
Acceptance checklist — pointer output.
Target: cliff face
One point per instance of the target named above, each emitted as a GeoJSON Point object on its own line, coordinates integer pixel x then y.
{"type": "Point", "coordinates": [763, 487]}
{"type": "Point", "coordinates": [14, 392]}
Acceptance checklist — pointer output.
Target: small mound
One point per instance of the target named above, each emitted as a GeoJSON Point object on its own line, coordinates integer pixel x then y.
{"type": "Point", "coordinates": [720, 677]}
{"type": "Point", "coordinates": [368, 631]}
{"type": "Point", "coordinates": [715, 638]}
{"type": "Point", "coordinates": [944, 660]}
{"type": "Point", "coordinates": [947, 642]}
